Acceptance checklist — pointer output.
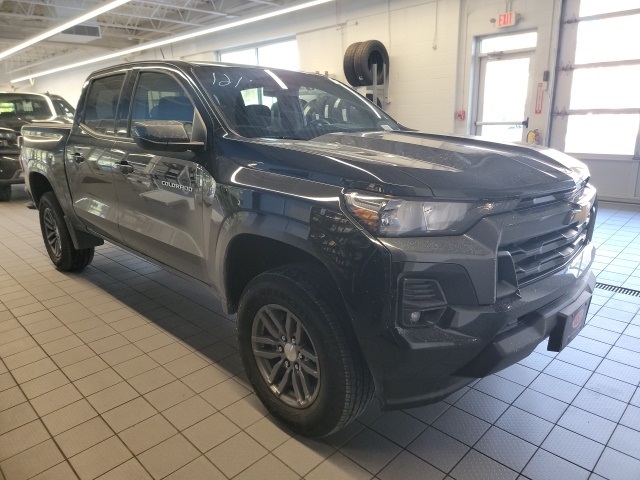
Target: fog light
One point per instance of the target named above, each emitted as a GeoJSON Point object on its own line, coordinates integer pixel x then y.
{"type": "Point", "coordinates": [422, 302]}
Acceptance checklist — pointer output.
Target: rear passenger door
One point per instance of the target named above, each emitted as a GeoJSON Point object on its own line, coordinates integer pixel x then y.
{"type": "Point", "coordinates": [159, 193]}
{"type": "Point", "coordinates": [89, 157]}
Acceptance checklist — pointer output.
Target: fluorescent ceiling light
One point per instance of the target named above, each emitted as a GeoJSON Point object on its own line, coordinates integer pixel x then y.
{"type": "Point", "coordinates": [63, 27]}
{"type": "Point", "coordinates": [178, 38]}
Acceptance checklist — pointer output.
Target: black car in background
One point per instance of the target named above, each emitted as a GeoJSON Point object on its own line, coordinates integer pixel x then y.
{"type": "Point", "coordinates": [18, 109]}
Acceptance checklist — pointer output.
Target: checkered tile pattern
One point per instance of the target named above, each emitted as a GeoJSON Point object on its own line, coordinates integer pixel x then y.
{"type": "Point", "coordinates": [127, 372]}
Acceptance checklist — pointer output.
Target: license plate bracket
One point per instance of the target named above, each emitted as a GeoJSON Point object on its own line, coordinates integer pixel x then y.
{"type": "Point", "coordinates": [571, 320]}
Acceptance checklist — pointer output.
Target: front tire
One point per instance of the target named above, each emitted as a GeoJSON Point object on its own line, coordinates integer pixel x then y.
{"type": "Point", "coordinates": [57, 239]}
{"type": "Point", "coordinates": [298, 352]}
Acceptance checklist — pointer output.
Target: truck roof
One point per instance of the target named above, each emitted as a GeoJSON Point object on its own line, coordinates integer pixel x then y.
{"type": "Point", "coordinates": [180, 64]}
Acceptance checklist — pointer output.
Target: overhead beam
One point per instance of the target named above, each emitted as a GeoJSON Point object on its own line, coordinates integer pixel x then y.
{"type": "Point", "coordinates": [173, 6]}
{"type": "Point", "coordinates": [62, 27]}
{"type": "Point", "coordinates": [153, 19]}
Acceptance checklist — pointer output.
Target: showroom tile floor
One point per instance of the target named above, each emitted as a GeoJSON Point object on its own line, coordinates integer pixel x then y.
{"type": "Point", "coordinates": [127, 372]}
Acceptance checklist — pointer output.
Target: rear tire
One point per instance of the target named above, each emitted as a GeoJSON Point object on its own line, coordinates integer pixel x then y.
{"type": "Point", "coordinates": [298, 352]}
{"type": "Point", "coordinates": [5, 193]}
{"type": "Point", "coordinates": [57, 239]}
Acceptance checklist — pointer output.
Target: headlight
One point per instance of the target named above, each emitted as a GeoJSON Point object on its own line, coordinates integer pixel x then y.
{"type": "Point", "coordinates": [392, 217]}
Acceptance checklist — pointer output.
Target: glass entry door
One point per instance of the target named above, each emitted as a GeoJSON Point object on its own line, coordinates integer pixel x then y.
{"type": "Point", "coordinates": [502, 94]}
{"type": "Point", "coordinates": [502, 99]}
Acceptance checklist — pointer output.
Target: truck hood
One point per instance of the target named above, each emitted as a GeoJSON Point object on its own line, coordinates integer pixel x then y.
{"type": "Point", "coordinates": [416, 164]}
{"type": "Point", "coordinates": [17, 122]}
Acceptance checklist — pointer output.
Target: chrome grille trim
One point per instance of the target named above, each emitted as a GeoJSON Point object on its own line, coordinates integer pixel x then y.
{"type": "Point", "coordinates": [540, 255]}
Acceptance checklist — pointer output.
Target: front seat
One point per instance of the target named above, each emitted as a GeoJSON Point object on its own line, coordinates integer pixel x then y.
{"type": "Point", "coordinates": [253, 120]}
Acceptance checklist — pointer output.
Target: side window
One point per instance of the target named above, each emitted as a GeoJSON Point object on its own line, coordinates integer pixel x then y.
{"type": "Point", "coordinates": [62, 107]}
{"type": "Point", "coordinates": [160, 97]}
{"type": "Point", "coordinates": [102, 101]}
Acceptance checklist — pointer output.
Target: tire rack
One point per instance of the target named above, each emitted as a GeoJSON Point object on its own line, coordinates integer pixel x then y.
{"type": "Point", "coordinates": [377, 91]}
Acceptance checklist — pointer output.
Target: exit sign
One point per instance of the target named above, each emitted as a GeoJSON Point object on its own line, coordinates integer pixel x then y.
{"type": "Point", "coordinates": [507, 19]}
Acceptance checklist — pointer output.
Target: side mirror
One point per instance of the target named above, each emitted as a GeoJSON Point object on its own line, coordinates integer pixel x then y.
{"type": "Point", "coordinates": [170, 135]}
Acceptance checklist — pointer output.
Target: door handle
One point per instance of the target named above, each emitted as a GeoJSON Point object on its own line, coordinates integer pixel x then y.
{"type": "Point", "coordinates": [78, 157]}
{"type": "Point", "coordinates": [125, 168]}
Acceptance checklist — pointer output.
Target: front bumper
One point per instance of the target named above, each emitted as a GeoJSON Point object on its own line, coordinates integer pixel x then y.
{"type": "Point", "coordinates": [10, 169]}
{"type": "Point", "coordinates": [413, 367]}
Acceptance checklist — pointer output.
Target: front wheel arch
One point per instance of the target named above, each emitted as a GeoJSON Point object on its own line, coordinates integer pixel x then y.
{"type": "Point", "coordinates": [38, 186]}
{"type": "Point", "coordinates": [248, 255]}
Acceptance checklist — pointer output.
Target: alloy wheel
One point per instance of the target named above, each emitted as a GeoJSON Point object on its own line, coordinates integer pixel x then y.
{"type": "Point", "coordinates": [286, 356]}
{"type": "Point", "coordinates": [52, 233]}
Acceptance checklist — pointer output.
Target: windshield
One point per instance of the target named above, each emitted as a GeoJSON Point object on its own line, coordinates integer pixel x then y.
{"type": "Point", "coordinates": [273, 103]}
{"type": "Point", "coordinates": [25, 106]}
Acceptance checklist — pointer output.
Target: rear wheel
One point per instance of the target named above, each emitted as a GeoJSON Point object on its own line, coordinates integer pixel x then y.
{"type": "Point", "coordinates": [299, 354]}
{"type": "Point", "coordinates": [57, 239]}
{"type": "Point", "coordinates": [5, 193]}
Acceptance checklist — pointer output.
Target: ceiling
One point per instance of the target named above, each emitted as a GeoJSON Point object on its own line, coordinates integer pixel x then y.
{"type": "Point", "coordinates": [131, 24]}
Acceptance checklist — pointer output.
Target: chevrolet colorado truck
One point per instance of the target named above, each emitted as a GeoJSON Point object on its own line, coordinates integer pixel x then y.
{"type": "Point", "coordinates": [362, 258]}
{"type": "Point", "coordinates": [16, 110]}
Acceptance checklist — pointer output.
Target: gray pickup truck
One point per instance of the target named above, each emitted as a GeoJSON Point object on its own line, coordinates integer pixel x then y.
{"type": "Point", "coordinates": [362, 258]}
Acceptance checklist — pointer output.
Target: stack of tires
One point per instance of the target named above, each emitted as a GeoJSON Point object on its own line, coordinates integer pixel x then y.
{"type": "Point", "coordinates": [359, 60]}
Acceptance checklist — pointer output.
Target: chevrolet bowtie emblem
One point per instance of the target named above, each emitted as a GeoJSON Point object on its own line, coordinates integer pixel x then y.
{"type": "Point", "coordinates": [580, 214]}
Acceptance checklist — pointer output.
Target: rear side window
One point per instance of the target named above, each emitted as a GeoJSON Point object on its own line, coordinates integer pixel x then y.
{"type": "Point", "coordinates": [160, 97]}
{"type": "Point", "coordinates": [102, 102]}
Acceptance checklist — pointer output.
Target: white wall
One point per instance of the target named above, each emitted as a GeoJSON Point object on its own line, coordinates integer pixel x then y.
{"type": "Point", "coordinates": [421, 79]}
{"type": "Point", "coordinates": [429, 43]}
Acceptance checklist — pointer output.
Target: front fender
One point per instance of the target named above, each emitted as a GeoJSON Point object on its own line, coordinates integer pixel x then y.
{"type": "Point", "coordinates": [359, 265]}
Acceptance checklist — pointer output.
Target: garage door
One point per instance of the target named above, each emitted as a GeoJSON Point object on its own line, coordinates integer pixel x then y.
{"type": "Point", "coordinates": [596, 112]}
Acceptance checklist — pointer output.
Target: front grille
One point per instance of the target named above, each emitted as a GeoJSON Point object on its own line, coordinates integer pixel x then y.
{"type": "Point", "coordinates": [537, 201]}
{"type": "Point", "coordinates": [537, 256]}
{"type": "Point", "coordinates": [542, 254]}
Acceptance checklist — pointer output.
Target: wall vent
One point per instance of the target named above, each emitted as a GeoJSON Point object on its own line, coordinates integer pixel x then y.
{"type": "Point", "coordinates": [78, 34]}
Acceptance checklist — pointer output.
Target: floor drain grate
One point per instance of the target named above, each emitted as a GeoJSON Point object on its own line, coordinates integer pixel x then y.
{"type": "Point", "coordinates": [613, 288]}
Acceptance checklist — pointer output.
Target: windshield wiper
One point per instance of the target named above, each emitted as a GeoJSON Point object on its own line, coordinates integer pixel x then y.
{"type": "Point", "coordinates": [284, 137]}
